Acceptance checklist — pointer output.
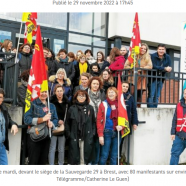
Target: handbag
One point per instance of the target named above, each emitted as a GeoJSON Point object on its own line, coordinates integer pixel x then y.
{"type": "Point", "coordinates": [60, 130]}
{"type": "Point", "coordinates": [39, 132]}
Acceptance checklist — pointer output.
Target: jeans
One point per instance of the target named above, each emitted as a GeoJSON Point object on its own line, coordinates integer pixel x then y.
{"type": "Point", "coordinates": [154, 91]}
{"type": "Point", "coordinates": [178, 147]}
{"type": "Point", "coordinates": [110, 147]}
{"type": "Point", "coordinates": [61, 149]}
{"type": "Point", "coordinates": [3, 155]}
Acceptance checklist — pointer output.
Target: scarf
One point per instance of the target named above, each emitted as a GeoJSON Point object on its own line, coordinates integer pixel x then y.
{"type": "Point", "coordinates": [114, 111]}
{"type": "Point", "coordinates": [82, 111]}
{"type": "Point", "coordinates": [96, 100]}
{"type": "Point", "coordinates": [82, 68]}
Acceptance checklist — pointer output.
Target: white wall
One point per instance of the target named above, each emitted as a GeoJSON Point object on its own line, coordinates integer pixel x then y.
{"type": "Point", "coordinates": [15, 141]}
{"type": "Point", "coordinates": [150, 143]}
{"type": "Point", "coordinates": [154, 27]}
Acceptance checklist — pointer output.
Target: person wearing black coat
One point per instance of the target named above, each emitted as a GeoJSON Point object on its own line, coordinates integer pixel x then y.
{"type": "Point", "coordinates": [50, 62]}
{"type": "Point", "coordinates": [62, 61]}
{"type": "Point", "coordinates": [5, 123]}
{"type": "Point", "coordinates": [80, 129]}
{"type": "Point", "coordinates": [101, 62]}
{"type": "Point", "coordinates": [25, 57]}
{"type": "Point", "coordinates": [81, 67]}
{"type": "Point", "coordinates": [61, 103]}
{"type": "Point", "coordinates": [131, 109]}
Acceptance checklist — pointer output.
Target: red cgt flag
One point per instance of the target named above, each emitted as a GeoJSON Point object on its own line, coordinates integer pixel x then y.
{"type": "Point", "coordinates": [122, 111]}
{"type": "Point", "coordinates": [135, 43]}
{"type": "Point", "coordinates": [38, 78]}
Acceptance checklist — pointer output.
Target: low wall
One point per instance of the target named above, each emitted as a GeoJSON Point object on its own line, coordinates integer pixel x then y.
{"type": "Point", "coordinates": [15, 141]}
{"type": "Point", "coordinates": [150, 144]}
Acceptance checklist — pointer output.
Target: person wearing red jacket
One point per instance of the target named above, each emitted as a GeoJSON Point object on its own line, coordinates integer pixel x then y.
{"type": "Point", "coordinates": [107, 127]}
{"type": "Point", "coordinates": [117, 63]}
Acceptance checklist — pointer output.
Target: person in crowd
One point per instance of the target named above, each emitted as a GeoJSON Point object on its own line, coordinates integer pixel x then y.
{"type": "Point", "coordinates": [101, 61]}
{"type": "Point", "coordinates": [25, 58]}
{"type": "Point", "coordinates": [21, 91]}
{"type": "Point", "coordinates": [5, 123]}
{"type": "Point", "coordinates": [94, 69]}
{"type": "Point", "coordinates": [131, 110]}
{"type": "Point", "coordinates": [178, 131]}
{"type": "Point", "coordinates": [60, 78]}
{"type": "Point", "coordinates": [61, 103]}
{"type": "Point", "coordinates": [107, 79]}
{"type": "Point", "coordinates": [96, 95]}
{"type": "Point", "coordinates": [50, 61]}
{"type": "Point", "coordinates": [72, 58]}
{"type": "Point", "coordinates": [161, 63]}
{"type": "Point", "coordinates": [117, 63]}
{"type": "Point", "coordinates": [14, 49]}
{"type": "Point", "coordinates": [124, 52]}
{"type": "Point", "coordinates": [107, 127]}
{"type": "Point", "coordinates": [7, 48]}
{"type": "Point", "coordinates": [143, 62]}
{"type": "Point", "coordinates": [78, 53]}
{"type": "Point", "coordinates": [84, 77]}
{"type": "Point", "coordinates": [89, 56]}
{"type": "Point", "coordinates": [63, 62]}
{"type": "Point", "coordinates": [80, 129]}
{"type": "Point", "coordinates": [81, 67]}
{"type": "Point", "coordinates": [37, 114]}
{"type": "Point", "coordinates": [108, 59]}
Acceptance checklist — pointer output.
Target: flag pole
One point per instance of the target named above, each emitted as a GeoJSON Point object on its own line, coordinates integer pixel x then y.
{"type": "Point", "coordinates": [18, 41]}
{"type": "Point", "coordinates": [118, 147]}
{"type": "Point", "coordinates": [50, 134]}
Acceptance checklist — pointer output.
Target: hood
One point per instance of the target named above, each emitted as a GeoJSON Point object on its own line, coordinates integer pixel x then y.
{"type": "Point", "coordinates": [53, 79]}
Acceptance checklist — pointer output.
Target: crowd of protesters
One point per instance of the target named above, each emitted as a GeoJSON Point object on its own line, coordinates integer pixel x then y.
{"type": "Point", "coordinates": [84, 98]}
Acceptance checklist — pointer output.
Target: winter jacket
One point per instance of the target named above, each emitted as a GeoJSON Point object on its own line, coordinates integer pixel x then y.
{"type": "Point", "coordinates": [71, 127]}
{"type": "Point", "coordinates": [131, 109]}
{"type": "Point", "coordinates": [105, 64]}
{"type": "Point", "coordinates": [61, 108]}
{"type": "Point", "coordinates": [21, 93]}
{"type": "Point", "coordinates": [118, 64]}
{"type": "Point", "coordinates": [101, 118]}
{"type": "Point", "coordinates": [181, 134]}
{"type": "Point", "coordinates": [160, 65]}
{"type": "Point", "coordinates": [68, 66]}
{"type": "Point", "coordinates": [8, 124]}
{"type": "Point", "coordinates": [79, 87]}
{"type": "Point", "coordinates": [66, 85]}
{"type": "Point", "coordinates": [25, 61]}
{"type": "Point", "coordinates": [37, 111]}
{"type": "Point", "coordinates": [51, 66]}
{"type": "Point", "coordinates": [77, 74]}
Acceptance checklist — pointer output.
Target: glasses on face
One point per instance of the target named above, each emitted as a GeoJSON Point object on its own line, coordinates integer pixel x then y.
{"type": "Point", "coordinates": [81, 96]}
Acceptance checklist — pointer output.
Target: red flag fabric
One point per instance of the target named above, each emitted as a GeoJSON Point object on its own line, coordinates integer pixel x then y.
{"type": "Point", "coordinates": [122, 111]}
{"type": "Point", "coordinates": [38, 78]}
{"type": "Point", "coordinates": [135, 43]}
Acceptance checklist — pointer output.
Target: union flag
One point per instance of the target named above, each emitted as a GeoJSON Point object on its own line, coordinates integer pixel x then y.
{"type": "Point", "coordinates": [122, 111]}
{"type": "Point", "coordinates": [38, 78]}
{"type": "Point", "coordinates": [30, 26]}
{"type": "Point", "coordinates": [135, 43]}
